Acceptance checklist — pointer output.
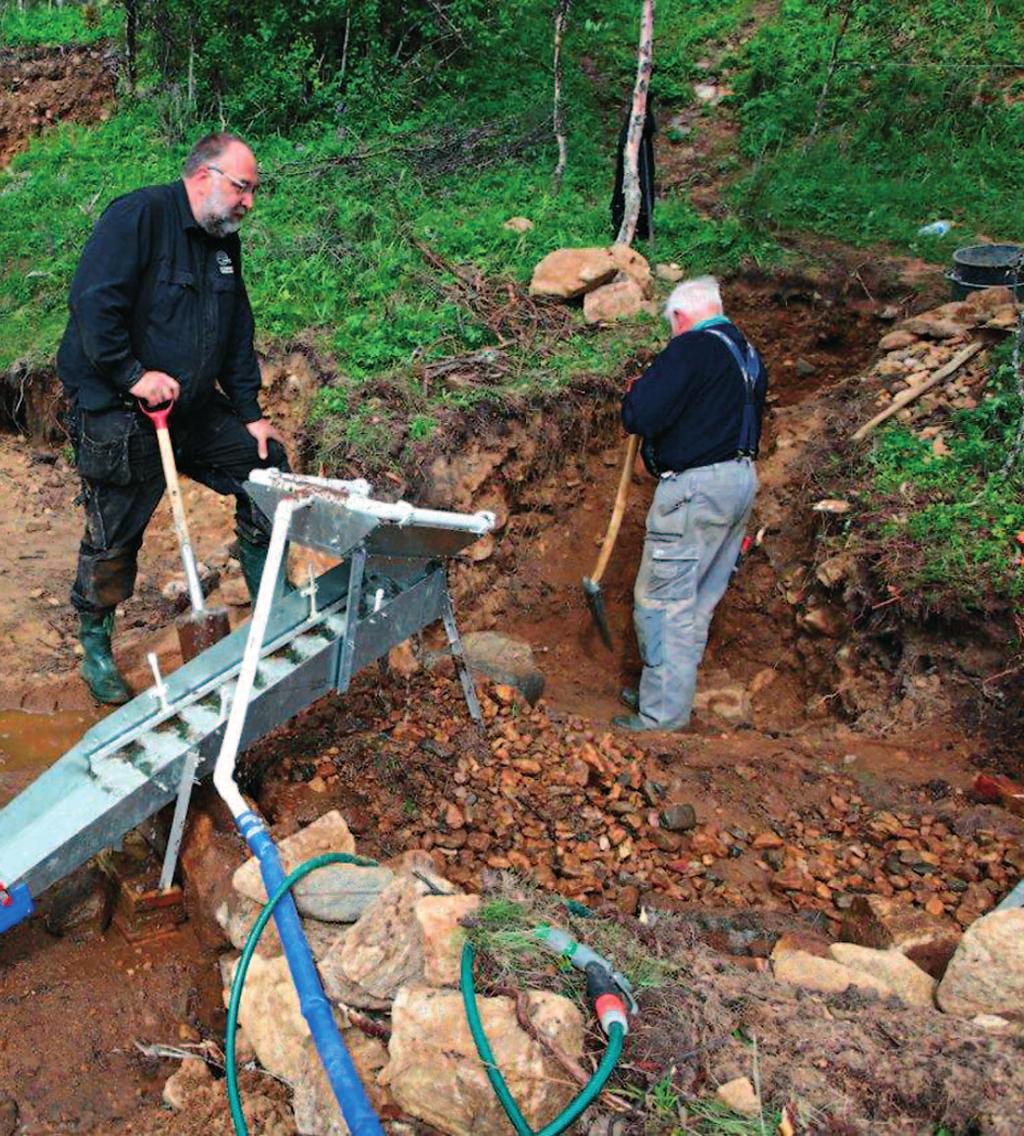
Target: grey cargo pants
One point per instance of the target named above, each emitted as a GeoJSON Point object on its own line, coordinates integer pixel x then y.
{"type": "Point", "coordinates": [695, 527]}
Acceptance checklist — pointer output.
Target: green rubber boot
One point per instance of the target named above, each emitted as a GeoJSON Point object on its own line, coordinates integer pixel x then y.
{"type": "Point", "coordinates": [98, 668]}
{"type": "Point", "coordinates": [252, 558]}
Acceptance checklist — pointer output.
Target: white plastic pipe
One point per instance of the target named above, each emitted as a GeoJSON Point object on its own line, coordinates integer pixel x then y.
{"type": "Point", "coordinates": [276, 479]}
{"type": "Point", "coordinates": [360, 501]}
{"type": "Point", "coordinates": [402, 513]}
{"type": "Point", "coordinates": [224, 770]}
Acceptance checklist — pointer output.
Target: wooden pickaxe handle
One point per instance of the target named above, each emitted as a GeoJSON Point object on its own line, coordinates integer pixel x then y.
{"type": "Point", "coordinates": [618, 509]}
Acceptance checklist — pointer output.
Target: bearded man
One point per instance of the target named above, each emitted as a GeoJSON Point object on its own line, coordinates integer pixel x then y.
{"type": "Point", "coordinates": [158, 312]}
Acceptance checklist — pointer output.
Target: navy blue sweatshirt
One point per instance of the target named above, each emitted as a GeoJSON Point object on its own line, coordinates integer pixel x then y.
{"type": "Point", "coordinates": [154, 292]}
{"type": "Point", "coordinates": [688, 404]}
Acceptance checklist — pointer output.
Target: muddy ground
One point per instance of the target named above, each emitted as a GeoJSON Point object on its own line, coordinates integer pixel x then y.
{"type": "Point", "coordinates": [825, 755]}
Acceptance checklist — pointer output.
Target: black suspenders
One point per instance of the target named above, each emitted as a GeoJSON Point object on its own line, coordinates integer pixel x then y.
{"type": "Point", "coordinates": [750, 369]}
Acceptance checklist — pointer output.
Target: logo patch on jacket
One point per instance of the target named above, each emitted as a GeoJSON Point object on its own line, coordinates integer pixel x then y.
{"type": "Point", "coordinates": [224, 263]}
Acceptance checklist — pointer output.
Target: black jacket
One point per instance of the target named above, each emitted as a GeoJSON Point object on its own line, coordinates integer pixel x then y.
{"type": "Point", "coordinates": [154, 292]}
{"type": "Point", "coordinates": [688, 405]}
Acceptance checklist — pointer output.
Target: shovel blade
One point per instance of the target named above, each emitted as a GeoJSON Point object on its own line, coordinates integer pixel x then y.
{"type": "Point", "coordinates": [595, 601]}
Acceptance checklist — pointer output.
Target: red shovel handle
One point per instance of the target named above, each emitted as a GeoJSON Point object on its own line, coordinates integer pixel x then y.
{"type": "Point", "coordinates": [158, 414]}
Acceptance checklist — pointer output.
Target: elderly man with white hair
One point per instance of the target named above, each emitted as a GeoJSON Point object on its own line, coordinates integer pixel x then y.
{"type": "Point", "coordinates": [698, 408]}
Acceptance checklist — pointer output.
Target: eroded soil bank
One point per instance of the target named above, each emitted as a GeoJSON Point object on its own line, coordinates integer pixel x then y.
{"type": "Point", "coordinates": [817, 771]}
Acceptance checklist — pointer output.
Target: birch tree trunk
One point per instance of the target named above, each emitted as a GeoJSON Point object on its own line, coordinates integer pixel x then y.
{"type": "Point", "coordinates": [638, 115]}
{"type": "Point", "coordinates": [561, 15]}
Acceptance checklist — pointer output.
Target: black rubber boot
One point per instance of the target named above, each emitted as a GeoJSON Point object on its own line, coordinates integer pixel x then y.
{"type": "Point", "coordinates": [98, 668]}
{"type": "Point", "coordinates": [252, 558]}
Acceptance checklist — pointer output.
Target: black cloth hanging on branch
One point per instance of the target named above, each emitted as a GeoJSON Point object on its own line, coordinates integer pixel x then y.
{"type": "Point", "coordinates": [645, 222]}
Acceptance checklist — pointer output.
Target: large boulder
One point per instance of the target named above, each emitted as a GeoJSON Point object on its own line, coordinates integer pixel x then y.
{"type": "Point", "coordinates": [618, 300]}
{"type": "Point", "coordinates": [384, 950]}
{"type": "Point", "coordinates": [568, 273]}
{"type": "Point", "coordinates": [986, 975]}
{"type": "Point", "coordinates": [436, 1075]}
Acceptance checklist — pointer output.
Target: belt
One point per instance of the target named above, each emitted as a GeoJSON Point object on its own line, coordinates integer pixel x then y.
{"type": "Point", "coordinates": [741, 457]}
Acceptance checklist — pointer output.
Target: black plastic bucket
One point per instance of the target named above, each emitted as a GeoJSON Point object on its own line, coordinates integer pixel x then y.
{"type": "Point", "coordinates": [985, 266]}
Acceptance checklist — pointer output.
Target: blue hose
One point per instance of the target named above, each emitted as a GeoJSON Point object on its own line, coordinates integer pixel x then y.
{"type": "Point", "coordinates": [316, 1009]}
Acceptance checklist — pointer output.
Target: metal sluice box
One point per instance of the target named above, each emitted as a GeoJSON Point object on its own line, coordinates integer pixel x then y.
{"type": "Point", "coordinates": [390, 582]}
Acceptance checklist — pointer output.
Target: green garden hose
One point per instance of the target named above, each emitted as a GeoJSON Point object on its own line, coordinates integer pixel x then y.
{"type": "Point", "coordinates": [613, 1019]}
{"type": "Point", "coordinates": [303, 870]}
{"type": "Point", "coordinates": [603, 990]}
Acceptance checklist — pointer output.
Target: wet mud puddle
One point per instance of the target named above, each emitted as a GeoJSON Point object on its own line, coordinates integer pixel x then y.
{"type": "Point", "coordinates": [31, 743]}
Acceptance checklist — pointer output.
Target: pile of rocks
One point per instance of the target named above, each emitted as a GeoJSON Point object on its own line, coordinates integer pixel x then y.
{"type": "Point", "coordinates": [594, 816]}
{"type": "Point", "coordinates": [919, 346]}
{"type": "Point", "coordinates": [388, 938]}
{"type": "Point", "coordinates": [614, 282]}
{"type": "Point", "coordinates": [387, 941]}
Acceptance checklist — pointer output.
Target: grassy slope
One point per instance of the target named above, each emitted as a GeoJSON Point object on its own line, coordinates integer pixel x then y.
{"type": "Point", "coordinates": [921, 122]}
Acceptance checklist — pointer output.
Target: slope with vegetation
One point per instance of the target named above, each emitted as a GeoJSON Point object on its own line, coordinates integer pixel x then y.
{"type": "Point", "coordinates": [397, 138]}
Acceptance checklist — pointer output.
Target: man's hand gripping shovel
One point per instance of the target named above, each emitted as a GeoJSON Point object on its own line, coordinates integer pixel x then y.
{"type": "Point", "coordinates": [592, 583]}
{"type": "Point", "coordinates": [203, 626]}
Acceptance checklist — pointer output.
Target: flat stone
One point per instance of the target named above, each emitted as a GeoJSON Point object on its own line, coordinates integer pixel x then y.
{"type": "Point", "coordinates": [329, 833]}
{"type": "Point", "coordinates": [892, 967]}
{"type": "Point", "coordinates": [812, 973]}
{"type": "Point", "coordinates": [340, 893]}
{"type": "Point", "coordinates": [568, 273]}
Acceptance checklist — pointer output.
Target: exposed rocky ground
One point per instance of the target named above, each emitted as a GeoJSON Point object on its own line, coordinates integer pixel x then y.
{"type": "Point", "coordinates": [821, 793]}
{"type": "Point", "coordinates": [43, 86]}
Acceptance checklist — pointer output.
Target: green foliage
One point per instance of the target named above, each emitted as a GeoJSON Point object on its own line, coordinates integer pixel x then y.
{"type": "Point", "coordinates": [45, 26]}
{"type": "Point", "coordinates": [955, 517]}
{"type": "Point", "coordinates": [921, 120]}
{"type": "Point", "coordinates": [270, 66]}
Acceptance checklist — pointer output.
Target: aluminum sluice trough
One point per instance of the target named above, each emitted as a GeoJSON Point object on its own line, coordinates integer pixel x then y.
{"type": "Point", "coordinates": [390, 583]}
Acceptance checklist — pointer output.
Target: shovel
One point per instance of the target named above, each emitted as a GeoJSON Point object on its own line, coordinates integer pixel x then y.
{"type": "Point", "coordinates": [203, 626]}
{"type": "Point", "coordinates": [592, 583]}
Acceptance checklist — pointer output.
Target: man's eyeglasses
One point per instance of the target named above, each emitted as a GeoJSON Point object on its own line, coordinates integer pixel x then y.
{"type": "Point", "coordinates": [243, 187]}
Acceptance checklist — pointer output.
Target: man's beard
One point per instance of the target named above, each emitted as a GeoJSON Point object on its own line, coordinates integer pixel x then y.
{"type": "Point", "coordinates": [218, 218]}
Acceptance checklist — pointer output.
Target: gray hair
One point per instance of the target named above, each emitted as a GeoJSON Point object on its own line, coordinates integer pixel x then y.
{"type": "Point", "coordinates": [693, 296]}
{"type": "Point", "coordinates": [206, 150]}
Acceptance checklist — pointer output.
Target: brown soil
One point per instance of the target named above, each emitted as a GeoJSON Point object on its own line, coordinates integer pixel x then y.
{"type": "Point", "coordinates": [42, 86]}
{"type": "Point", "coordinates": [836, 750]}
{"type": "Point", "coordinates": [396, 754]}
